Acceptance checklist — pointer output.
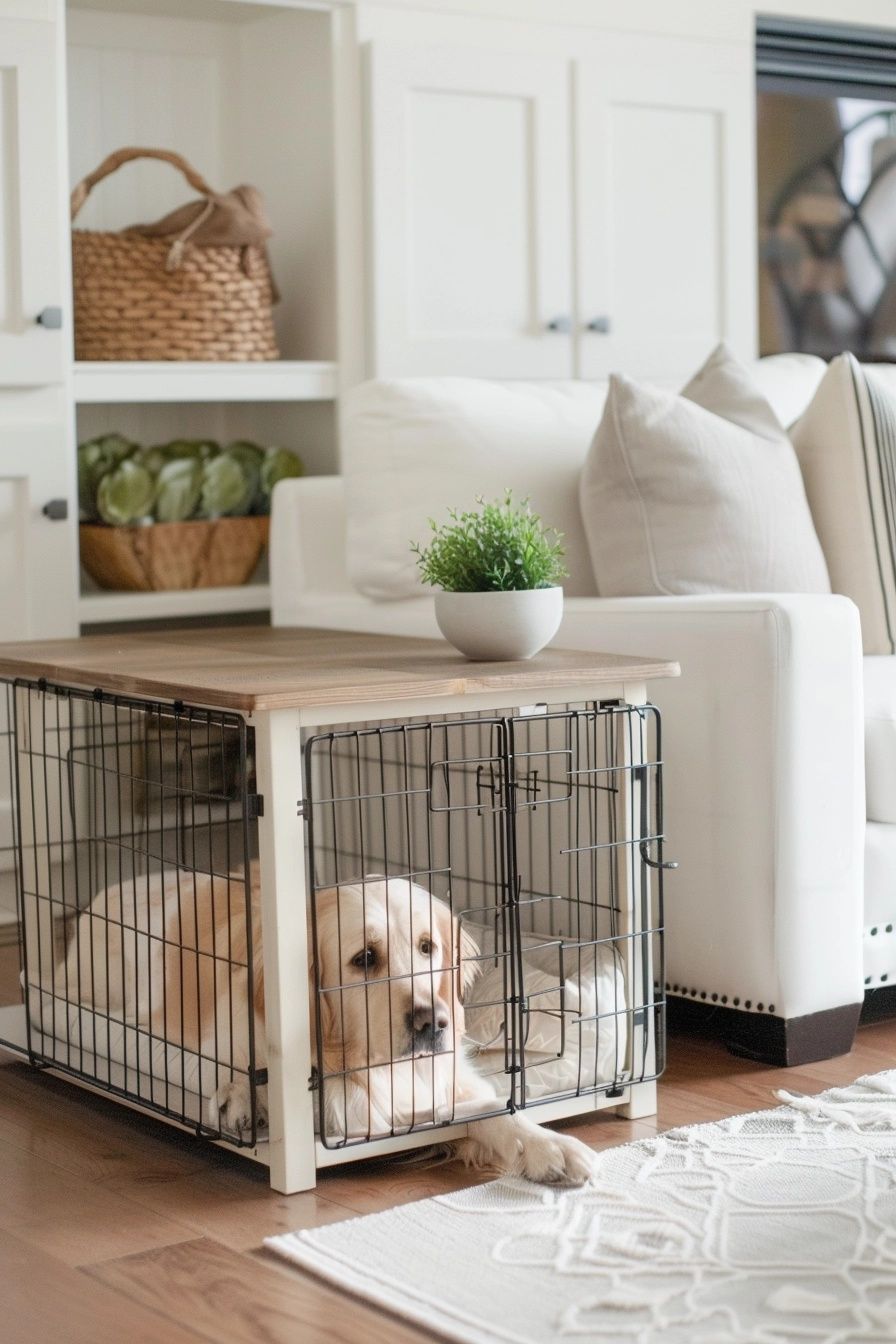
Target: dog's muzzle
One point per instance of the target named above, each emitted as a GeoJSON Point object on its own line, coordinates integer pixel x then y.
{"type": "Point", "coordinates": [428, 1030]}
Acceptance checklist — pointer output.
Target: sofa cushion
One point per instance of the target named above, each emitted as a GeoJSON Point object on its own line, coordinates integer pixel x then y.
{"type": "Point", "coordinates": [413, 447]}
{"type": "Point", "coordinates": [846, 443]}
{"type": "Point", "coordinates": [880, 738]}
{"type": "Point", "coordinates": [788, 383]}
{"type": "Point", "coordinates": [697, 493]}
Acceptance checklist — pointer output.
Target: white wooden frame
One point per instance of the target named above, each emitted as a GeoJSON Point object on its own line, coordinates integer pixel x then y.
{"type": "Point", "coordinates": [292, 1152]}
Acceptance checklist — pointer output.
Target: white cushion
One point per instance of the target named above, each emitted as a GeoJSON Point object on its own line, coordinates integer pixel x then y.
{"type": "Point", "coordinates": [880, 738]}
{"type": "Point", "coordinates": [577, 1022]}
{"type": "Point", "coordinates": [412, 447]}
{"type": "Point", "coordinates": [697, 493]}
{"type": "Point", "coordinates": [788, 383]}
{"type": "Point", "coordinates": [846, 442]}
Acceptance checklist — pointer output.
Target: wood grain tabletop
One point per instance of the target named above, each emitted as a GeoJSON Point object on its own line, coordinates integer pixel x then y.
{"type": "Point", "coordinates": [258, 668]}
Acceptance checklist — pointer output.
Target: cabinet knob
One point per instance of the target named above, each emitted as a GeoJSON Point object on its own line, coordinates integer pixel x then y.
{"type": "Point", "coordinates": [561, 324]}
{"type": "Point", "coordinates": [56, 510]}
{"type": "Point", "coordinates": [51, 318]}
{"type": "Point", "coordinates": [601, 325]}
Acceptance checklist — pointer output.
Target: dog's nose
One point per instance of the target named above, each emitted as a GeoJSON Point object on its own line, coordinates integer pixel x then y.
{"type": "Point", "coordinates": [425, 1018]}
{"type": "Point", "coordinates": [427, 1028]}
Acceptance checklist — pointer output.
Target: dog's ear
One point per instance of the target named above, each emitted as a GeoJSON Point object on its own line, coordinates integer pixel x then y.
{"type": "Point", "coordinates": [320, 1002]}
{"type": "Point", "coordinates": [468, 956]}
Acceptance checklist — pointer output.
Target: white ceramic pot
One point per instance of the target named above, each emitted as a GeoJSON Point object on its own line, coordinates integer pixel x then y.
{"type": "Point", "coordinates": [495, 627]}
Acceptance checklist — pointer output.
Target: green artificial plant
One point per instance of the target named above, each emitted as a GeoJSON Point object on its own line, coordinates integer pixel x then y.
{"type": "Point", "coordinates": [121, 483]}
{"type": "Point", "coordinates": [501, 547]}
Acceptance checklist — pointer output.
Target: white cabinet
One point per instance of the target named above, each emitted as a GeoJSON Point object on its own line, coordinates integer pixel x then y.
{"type": "Point", "coordinates": [34, 310]}
{"type": "Point", "coordinates": [38, 560]}
{"type": "Point", "coordinates": [37, 553]}
{"type": "Point", "coordinates": [665, 208]}
{"type": "Point", "coordinates": [560, 215]}
{"type": "Point", "coordinates": [470, 213]}
{"type": "Point", "coordinates": [37, 549]}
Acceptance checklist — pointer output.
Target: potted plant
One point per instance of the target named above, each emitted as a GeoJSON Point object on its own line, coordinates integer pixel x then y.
{"type": "Point", "coordinates": [498, 572]}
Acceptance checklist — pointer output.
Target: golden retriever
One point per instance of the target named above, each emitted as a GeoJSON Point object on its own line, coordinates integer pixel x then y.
{"type": "Point", "coordinates": [172, 958]}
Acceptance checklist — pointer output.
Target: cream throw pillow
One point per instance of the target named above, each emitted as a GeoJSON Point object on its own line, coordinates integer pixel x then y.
{"type": "Point", "coordinates": [846, 444]}
{"type": "Point", "coordinates": [697, 493]}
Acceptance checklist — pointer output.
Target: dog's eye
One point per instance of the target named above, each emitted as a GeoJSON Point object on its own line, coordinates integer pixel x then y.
{"type": "Point", "coordinates": [365, 960]}
{"type": "Point", "coordinates": [427, 947]}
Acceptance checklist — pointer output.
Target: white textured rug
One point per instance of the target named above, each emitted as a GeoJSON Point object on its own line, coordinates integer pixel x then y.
{"type": "Point", "coordinates": [768, 1228]}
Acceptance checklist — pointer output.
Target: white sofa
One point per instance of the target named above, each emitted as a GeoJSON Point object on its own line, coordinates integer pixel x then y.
{"type": "Point", "coordinates": [782, 913]}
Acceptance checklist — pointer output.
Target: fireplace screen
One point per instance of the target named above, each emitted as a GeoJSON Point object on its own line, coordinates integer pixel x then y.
{"type": "Point", "coordinates": [826, 158]}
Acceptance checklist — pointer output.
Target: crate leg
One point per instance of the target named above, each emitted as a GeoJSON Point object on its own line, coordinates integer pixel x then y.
{"type": "Point", "coordinates": [641, 1102]}
{"type": "Point", "coordinates": [278, 751]}
{"type": "Point", "coordinates": [638, 922]}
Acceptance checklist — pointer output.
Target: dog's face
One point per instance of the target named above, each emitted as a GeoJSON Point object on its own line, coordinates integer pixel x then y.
{"type": "Point", "coordinates": [391, 969]}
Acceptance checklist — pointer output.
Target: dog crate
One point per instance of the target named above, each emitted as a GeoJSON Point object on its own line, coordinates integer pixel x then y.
{"type": "Point", "coordinates": [481, 893]}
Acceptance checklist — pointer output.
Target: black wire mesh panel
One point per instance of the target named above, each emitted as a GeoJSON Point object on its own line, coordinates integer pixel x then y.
{"type": "Point", "coordinates": [139, 934]}
{"type": "Point", "coordinates": [10, 954]}
{"type": "Point", "coordinates": [481, 904]}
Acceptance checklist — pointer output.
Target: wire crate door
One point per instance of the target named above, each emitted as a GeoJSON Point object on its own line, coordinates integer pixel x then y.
{"type": "Point", "coordinates": [409, 849]}
{"type": "Point", "coordinates": [589, 931]}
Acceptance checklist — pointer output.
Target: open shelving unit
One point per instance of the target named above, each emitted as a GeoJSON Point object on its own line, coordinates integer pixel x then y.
{"type": "Point", "coordinates": [286, 380]}
{"type": "Point", "coordinates": [101, 608]}
{"type": "Point", "coordinates": [244, 92]}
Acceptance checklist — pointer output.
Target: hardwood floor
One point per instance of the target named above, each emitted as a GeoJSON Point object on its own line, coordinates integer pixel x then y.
{"type": "Point", "coordinates": [114, 1227]}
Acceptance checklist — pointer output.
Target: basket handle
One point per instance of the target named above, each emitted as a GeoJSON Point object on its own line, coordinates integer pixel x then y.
{"type": "Point", "coordinates": [115, 161]}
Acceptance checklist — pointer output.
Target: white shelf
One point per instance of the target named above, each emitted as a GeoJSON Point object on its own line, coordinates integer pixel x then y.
{"type": "Point", "coordinates": [109, 382]}
{"type": "Point", "coordinates": [97, 608]}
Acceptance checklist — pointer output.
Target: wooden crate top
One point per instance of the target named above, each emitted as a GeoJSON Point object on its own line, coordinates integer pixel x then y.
{"type": "Point", "coordinates": [257, 668]}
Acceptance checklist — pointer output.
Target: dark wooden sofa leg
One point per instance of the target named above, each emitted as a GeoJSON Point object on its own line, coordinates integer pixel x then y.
{"type": "Point", "coordinates": [766, 1037]}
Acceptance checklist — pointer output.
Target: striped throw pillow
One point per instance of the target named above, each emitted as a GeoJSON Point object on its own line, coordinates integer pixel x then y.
{"type": "Point", "coordinates": [846, 444]}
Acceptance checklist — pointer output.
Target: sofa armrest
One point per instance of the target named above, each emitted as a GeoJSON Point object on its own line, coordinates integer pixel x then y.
{"type": "Point", "coordinates": [309, 580]}
{"type": "Point", "coordinates": [764, 781]}
{"type": "Point", "coordinates": [307, 545]}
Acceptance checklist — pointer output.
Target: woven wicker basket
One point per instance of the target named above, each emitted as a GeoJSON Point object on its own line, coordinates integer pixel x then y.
{"type": "Point", "coordinates": [134, 302]}
{"type": "Point", "coordinates": [204, 553]}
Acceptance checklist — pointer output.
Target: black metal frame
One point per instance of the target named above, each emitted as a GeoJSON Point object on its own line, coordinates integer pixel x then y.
{"type": "Point", "coordinates": [512, 819]}
{"type": "Point", "coordinates": [109, 789]}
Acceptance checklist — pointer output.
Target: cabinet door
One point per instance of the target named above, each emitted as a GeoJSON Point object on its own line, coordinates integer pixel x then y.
{"type": "Point", "coordinates": [33, 340]}
{"type": "Point", "coordinates": [470, 214]}
{"type": "Point", "coordinates": [38, 555]}
{"type": "Point", "coordinates": [666, 207]}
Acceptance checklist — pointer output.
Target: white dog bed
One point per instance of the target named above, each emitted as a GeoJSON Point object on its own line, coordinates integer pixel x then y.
{"type": "Point", "coordinates": [122, 1056]}
{"type": "Point", "coordinates": [576, 1026]}
{"type": "Point", "coordinates": [576, 1037]}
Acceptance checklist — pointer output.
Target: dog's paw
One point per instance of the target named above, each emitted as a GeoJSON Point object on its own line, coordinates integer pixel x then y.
{"type": "Point", "coordinates": [230, 1109]}
{"type": "Point", "coordinates": [554, 1159]}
